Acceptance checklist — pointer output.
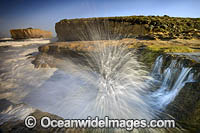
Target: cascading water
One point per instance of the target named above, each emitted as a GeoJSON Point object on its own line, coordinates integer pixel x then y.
{"type": "Point", "coordinates": [173, 79]}
{"type": "Point", "coordinates": [157, 66]}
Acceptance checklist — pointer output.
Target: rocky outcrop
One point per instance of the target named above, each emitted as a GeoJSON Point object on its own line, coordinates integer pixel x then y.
{"type": "Point", "coordinates": [148, 50]}
{"type": "Point", "coordinates": [144, 27]}
{"type": "Point", "coordinates": [29, 33]}
{"type": "Point", "coordinates": [158, 46]}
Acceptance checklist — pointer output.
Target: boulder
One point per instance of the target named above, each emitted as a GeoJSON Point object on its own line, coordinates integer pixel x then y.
{"type": "Point", "coordinates": [29, 33]}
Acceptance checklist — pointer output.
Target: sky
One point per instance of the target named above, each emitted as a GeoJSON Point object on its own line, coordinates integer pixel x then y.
{"type": "Point", "coordinates": [44, 14]}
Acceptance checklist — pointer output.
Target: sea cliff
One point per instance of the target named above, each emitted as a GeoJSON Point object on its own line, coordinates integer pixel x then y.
{"type": "Point", "coordinates": [143, 27]}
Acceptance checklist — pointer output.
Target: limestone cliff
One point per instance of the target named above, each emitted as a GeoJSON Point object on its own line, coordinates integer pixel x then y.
{"type": "Point", "coordinates": [146, 27]}
{"type": "Point", "coordinates": [29, 33]}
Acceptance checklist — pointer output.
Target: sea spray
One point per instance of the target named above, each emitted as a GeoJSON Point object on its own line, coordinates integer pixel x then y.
{"type": "Point", "coordinates": [121, 84]}
{"type": "Point", "coordinates": [113, 84]}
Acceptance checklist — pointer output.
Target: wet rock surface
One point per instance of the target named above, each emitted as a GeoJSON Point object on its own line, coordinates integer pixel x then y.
{"type": "Point", "coordinates": [148, 50]}
{"type": "Point", "coordinates": [17, 125]}
{"type": "Point", "coordinates": [186, 107]}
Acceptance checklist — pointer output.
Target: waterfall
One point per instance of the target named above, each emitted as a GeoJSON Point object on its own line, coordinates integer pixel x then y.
{"type": "Point", "coordinates": [156, 72]}
{"type": "Point", "coordinates": [173, 80]}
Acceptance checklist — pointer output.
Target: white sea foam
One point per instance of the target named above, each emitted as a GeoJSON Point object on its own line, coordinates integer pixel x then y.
{"type": "Point", "coordinates": [20, 43]}
{"type": "Point", "coordinates": [17, 74]}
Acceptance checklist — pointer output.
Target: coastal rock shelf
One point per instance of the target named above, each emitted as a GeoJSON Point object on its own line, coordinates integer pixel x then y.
{"type": "Point", "coordinates": [145, 27]}
{"type": "Point", "coordinates": [29, 33]}
{"type": "Point", "coordinates": [147, 49]}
